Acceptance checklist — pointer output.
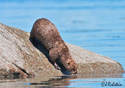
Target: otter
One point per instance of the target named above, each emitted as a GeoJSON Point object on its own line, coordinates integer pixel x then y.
{"type": "Point", "coordinates": [46, 32]}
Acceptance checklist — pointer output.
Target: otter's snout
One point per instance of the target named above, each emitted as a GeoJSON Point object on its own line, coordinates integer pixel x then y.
{"type": "Point", "coordinates": [75, 72]}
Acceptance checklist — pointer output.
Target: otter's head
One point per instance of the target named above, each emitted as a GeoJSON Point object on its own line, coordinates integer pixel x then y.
{"type": "Point", "coordinates": [69, 64]}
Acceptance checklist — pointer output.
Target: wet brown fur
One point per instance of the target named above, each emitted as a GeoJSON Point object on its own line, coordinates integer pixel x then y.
{"type": "Point", "coordinates": [47, 33]}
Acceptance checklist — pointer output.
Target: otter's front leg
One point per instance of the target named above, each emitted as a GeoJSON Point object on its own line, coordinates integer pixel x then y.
{"type": "Point", "coordinates": [53, 54]}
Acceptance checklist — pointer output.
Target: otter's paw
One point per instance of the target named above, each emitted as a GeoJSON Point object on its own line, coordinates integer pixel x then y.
{"type": "Point", "coordinates": [56, 66]}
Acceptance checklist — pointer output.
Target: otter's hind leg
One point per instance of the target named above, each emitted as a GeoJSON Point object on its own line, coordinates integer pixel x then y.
{"type": "Point", "coordinates": [53, 54]}
{"type": "Point", "coordinates": [33, 39]}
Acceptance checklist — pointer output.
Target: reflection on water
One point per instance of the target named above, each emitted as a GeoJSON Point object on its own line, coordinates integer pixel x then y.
{"type": "Point", "coordinates": [80, 80]}
{"type": "Point", "coordinates": [56, 81]}
{"type": "Point", "coordinates": [97, 25]}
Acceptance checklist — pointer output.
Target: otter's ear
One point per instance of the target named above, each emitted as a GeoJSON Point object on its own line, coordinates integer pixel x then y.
{"type": "Point", "coordinates": [68, 61]}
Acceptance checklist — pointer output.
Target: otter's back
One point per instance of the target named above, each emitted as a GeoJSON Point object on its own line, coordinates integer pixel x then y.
{"type": "Point", "coordinates": [46, 32]}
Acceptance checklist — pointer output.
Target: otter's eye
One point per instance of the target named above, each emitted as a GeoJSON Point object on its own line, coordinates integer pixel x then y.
{"type": "Point", "coordinates": [68, 63]}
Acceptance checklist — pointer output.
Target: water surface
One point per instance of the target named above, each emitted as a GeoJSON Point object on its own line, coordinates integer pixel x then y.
{"type": "Point", "coordinates": [96, 25]}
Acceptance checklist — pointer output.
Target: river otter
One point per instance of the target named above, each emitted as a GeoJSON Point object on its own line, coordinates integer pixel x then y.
{"type": "Point", "coordinates": [46, 32]}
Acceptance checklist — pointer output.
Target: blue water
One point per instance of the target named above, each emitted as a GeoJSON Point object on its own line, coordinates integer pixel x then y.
{"type": "Point", "coordinates": [96, 25]}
